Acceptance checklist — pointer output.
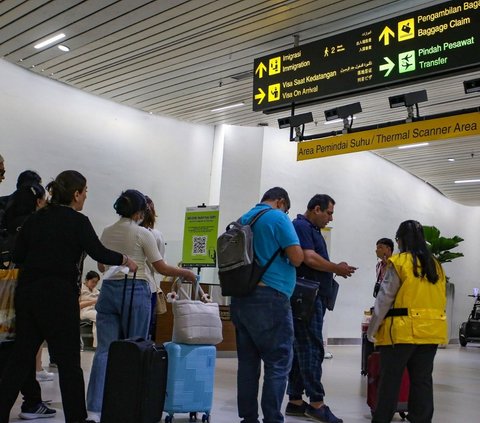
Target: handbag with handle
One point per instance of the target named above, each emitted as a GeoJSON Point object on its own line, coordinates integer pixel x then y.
{"type": "Point", "coordinates": [194, 321]}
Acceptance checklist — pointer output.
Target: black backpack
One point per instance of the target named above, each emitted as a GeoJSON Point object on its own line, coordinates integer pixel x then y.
{"type": "Point", "coordinates": [238, 268]}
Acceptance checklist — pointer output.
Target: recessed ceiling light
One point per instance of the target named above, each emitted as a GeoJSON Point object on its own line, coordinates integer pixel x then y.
{"type": "Point", "coordinates": [230, 106]}
{"type": "Point", "coordinates": [63, 48]}
{"type": "Point", "coordinates": [49, 41]}
{"type": "Point", "coordinates": [451, 160]}
{"type": "Point", "coordinates": [468, 181]}
{"type": "Point", "coordinates": [404, 147]}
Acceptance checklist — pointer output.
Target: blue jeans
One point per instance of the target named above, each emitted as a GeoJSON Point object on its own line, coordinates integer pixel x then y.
{"type": "Point", "coordinates": [112, 325]}
{"type": "Point", "coordinates": [306, 373]}
{"type": "Point", "coordinates": [264, 332]}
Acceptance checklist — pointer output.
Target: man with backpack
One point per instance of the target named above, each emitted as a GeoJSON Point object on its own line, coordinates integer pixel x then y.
{"type": "Point", "coordinates": [263, 320]}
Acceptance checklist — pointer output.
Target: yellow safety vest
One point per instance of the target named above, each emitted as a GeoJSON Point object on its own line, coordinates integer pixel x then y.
{"type": "Point", "coordinates": [424, 306]}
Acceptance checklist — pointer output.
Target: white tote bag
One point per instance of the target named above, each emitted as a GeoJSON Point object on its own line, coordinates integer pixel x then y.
{"type": "Point", "coordinates": [194, 321]}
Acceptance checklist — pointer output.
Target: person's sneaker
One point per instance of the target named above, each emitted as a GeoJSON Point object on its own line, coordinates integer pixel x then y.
{"type": "Point", "coordinates": [43, 376]}
{"type": "Point", "coordinates": [328, 355]}
{"type": "Point", "coordinates": [38, 412]}
{"type": "Point", "coordinates": [322, 414]}
{"type": "Point", "coordinates": [296, 410]}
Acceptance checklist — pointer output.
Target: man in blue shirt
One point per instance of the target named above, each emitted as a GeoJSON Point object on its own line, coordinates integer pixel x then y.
{"type": "Point", "coordinates": [306, 373]}
{"type": "Point", "coordinates": [263, 320]}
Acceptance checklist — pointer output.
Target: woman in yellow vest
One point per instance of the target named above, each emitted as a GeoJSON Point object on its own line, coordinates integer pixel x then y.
{"type": "Point", "coordinates": [408, 323]}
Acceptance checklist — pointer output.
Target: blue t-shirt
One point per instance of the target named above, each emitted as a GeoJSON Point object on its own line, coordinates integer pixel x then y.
{"type": "Point", "coordinates": [311, 238]}
{"type": "Point", "coordinates": [273, 230]}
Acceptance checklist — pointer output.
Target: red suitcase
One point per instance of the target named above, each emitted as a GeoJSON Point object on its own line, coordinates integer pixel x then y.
{"type": "Point", "coordinates": [372, 388]}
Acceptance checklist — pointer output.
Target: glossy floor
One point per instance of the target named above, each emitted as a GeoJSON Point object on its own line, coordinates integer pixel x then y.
{"type": "Point", "coordinates": [456, 378]}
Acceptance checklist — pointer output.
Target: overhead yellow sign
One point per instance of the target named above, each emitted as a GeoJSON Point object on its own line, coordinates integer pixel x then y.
{"type": "Point", "coordinates": [409, 133]}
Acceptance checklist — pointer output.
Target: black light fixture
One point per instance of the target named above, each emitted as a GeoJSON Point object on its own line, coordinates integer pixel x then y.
{"type": "Point", "coordinates": [409, 99]}
{"type": "Point", "coordinates": [343, 112]}
{"type": "Point", "coordinates": [295, 121]}
{"type": "Point", "coordinates": [471, 86]}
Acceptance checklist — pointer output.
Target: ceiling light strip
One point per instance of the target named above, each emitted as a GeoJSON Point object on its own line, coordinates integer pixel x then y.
{"type": "Point", "coordinates": [49, 41]}
{"type": "Point", "coordinates": [404, 147]}
{"type": "Point", "coordinates": [468, 181]}
{"type": "Point", "coordinates": [231, 106]}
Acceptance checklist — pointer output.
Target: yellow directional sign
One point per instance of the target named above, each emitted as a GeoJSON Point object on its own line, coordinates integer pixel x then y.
{"type": "Point", "coordinates": [408, 133]}
{"type": "Point", "coordinates": [385, 35]}
{"type": "Point", "coordinates": [274, 92]}
{"type": "Point", "coordinates": [406, 30]}
{"type": "Point", "coordinates": [274, 65]}
{"type": "Point", "coordinates": [260, 69]}
{"type": "Point", "coordinates": [425, 43]}
{"type": "Point", "coordinates": [260, 96]}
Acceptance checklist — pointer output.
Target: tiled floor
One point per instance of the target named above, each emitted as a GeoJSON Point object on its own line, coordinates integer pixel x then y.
{"type": "Point", "coordinates": [456, 378]}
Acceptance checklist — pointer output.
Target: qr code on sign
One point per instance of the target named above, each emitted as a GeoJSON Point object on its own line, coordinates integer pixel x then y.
{"type": "Point", "coordinates": [199, 245]}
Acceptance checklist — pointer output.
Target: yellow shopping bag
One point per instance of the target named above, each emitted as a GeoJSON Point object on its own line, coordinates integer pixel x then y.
{"type": "Point", "coordinates": [8, 282]}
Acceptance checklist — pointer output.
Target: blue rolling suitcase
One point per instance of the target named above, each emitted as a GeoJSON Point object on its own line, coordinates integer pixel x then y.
{"type": "Point", "coordinates": [190, 379]}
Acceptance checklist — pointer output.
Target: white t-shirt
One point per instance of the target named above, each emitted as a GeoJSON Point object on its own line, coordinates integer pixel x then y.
{"type": "Point", "coordinates": [138, 243]}
{"type": "Point", "coordinates": [153, 276]}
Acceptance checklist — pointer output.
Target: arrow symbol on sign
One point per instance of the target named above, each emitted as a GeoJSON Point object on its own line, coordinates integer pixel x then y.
{"type": "Point", "coordinates": [260, 96]}
{"type": "Point", "coordinates": [386, 34]}
{"type": "Point", "coordinates": [387, 67]}
{"type": "Point", "coordinates": [260, 69]}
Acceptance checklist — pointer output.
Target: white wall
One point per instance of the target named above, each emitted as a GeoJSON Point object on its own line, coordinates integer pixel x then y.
{"type": "Point", "coordinates": [50, 127]}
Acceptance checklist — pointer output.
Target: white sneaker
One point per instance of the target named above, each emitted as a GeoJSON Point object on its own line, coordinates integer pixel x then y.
{"type": "Point", "coordinates": [328, 355]}
{"type": "Point", "coordinates": [44, 376]}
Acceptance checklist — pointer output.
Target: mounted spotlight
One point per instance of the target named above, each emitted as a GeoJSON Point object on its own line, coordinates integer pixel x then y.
{"type": "Point", "coordinates": [295, 120]}
{"type": "Point", "coordinates": [471, 86]}
{"type": "Point", "coordinates": [345, 113]}
{"type": "Point", "coordinates": [408, 100]}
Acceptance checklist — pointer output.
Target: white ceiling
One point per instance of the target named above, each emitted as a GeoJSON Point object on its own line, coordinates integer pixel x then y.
{"type": "Point", "coordinates": [185, 58]}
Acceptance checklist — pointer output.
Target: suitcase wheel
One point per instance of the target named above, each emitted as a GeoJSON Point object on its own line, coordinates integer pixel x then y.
{"type": "Point", "coordinates": [206, 418]}
{"type": "Point", "coordinates": [168, 419]}
{"type": "Point", "coordinates": [193, 417]}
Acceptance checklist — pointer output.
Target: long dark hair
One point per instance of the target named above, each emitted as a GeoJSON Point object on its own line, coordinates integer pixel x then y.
{"type": "Point", "coordinates": [411, 239]}
{"type": "Point", "coordinates": [150, 215]}
{"type": "Point", "coordinates": [63, 188]}
{"type": "Point", "coordinates": [21, 204]}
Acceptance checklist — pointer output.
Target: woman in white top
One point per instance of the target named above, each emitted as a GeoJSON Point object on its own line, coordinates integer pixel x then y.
{"type": "Point", "coordinates": [88, 298]}
{"type": "Point", "coordinates": [149, 223]}
{"type": "Point", "coordinates": [139, 244]}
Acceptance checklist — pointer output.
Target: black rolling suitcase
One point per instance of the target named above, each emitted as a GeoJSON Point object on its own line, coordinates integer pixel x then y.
{"type": "Point", "coordinates": [135, 382]}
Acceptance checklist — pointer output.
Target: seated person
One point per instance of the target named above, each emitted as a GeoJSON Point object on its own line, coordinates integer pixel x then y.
{"type": "Point", "coordinates": [88, 299]}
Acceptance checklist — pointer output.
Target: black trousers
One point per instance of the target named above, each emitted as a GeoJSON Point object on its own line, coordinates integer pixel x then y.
{"type": "Point", "coordinates": [46, 309]}
{"type": "Point", "coordinates": [419, 361]}
{"type": "Point", "coordinates": [32, 394]}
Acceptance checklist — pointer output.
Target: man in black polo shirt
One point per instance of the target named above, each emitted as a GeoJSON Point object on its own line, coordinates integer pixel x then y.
{"type": "Point", "coordinates": [306, 372]}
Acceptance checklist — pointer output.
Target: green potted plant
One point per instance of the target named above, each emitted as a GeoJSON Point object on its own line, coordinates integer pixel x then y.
{"type": "Point", "coordinates": [441, 246]}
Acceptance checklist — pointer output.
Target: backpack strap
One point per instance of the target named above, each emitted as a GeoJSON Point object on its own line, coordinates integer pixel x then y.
{"type": "Point", "coordinates": [275, 254]}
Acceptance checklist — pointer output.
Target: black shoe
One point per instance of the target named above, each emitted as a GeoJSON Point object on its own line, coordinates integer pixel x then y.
{"type": "Point", "coordinates": [322, 414]}
{"type": "Point", "coordinates": [296, 410]}
{"type": "Point", "coordinates": [38, 412]}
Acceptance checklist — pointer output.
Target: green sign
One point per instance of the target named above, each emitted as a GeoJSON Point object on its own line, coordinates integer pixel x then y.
{"type": "Point", "coordinates": [200, 237]}
{"type": "Point", "coordinates": [427, 43]}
